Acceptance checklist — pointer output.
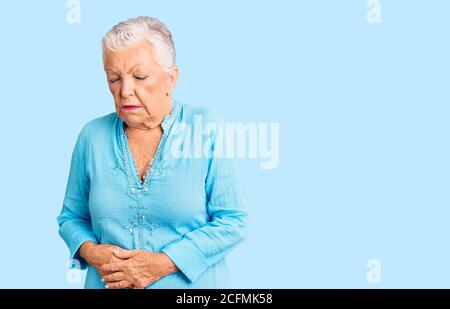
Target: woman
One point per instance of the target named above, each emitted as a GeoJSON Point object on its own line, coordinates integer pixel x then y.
{"type": "Point", "coordinates": [136, 213]}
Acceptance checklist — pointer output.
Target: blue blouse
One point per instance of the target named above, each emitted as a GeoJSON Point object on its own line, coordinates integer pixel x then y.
{"type": "Point", "coordinates": [192, 208]}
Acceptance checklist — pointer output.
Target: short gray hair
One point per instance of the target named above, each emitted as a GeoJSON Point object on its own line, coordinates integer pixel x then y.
{"type": "Point", "coordinates": [136, 29]}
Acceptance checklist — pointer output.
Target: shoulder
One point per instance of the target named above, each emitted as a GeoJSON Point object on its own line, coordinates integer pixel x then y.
{"type": "Point", "coordinates": [98, 128]}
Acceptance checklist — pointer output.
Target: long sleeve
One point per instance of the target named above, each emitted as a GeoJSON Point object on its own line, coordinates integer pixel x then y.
{"type": "Point", "coordinates": [197, 250]}
{"type": "Point", "coordinates": [74, 220]}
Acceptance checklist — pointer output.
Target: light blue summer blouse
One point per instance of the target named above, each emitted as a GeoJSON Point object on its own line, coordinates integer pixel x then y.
{"type": "Point", "coordinates": [191, 207]}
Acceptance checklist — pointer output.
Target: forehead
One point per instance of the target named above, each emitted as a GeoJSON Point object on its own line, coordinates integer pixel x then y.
{"type": "Point", "coordinates": [141, 54]}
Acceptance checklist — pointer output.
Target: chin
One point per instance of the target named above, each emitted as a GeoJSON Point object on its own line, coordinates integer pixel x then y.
{"type": "Point", "coordinates": [129, 119]}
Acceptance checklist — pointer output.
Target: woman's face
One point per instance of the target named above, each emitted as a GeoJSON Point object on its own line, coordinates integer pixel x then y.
{"type": "Point", "coordinates": [142, 90]}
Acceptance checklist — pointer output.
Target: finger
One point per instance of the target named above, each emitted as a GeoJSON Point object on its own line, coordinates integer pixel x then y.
{"type": "Point", "coordinates": [113, 258]}
{"type": "Point", "coordinates": [118, 285]}
{"type": "Point", "coordinates": [124, 254]}
{"type": "Point", "coordinates": [117, 276]}
{"type": "Point", "coordinates": [113, 267]}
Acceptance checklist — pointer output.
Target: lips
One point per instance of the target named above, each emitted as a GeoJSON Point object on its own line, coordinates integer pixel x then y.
{"type": "Point", "coordinates": [131, 107]}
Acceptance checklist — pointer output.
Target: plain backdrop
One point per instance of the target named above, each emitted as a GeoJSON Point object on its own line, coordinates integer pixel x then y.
{"type": "Point", "coordinates": [363, 111]}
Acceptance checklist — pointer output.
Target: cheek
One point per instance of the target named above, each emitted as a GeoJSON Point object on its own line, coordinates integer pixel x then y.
{"type": "Point", "coordinates": [156, 87]}
{"type": "Point", "coordinates": [146, 93]}
{"type": "Point", "coordinates": [115, 91]}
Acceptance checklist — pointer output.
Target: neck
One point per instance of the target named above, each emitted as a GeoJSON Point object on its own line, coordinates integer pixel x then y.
{"type": "Point", "coordinates": [150, 127]}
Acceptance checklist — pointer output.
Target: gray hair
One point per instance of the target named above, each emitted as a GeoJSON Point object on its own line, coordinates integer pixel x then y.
{"type": "Point", "coordinates": [136, 29]}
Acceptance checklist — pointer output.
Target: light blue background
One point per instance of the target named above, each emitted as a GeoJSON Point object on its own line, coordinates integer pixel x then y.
{"type": "Point", "coordinates": [363, 112]}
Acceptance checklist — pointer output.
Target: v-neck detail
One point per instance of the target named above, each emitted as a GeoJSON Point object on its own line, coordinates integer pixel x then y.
{"type": "Point", "coordinates": [135, 183]}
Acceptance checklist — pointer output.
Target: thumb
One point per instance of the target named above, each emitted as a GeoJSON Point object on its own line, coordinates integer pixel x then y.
{"type": "Point", "coordinates": [123, 254]}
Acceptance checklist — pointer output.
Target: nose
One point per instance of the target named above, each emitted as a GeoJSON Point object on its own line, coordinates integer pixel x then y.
{"type": "Point", "coordinates": [127, 88]}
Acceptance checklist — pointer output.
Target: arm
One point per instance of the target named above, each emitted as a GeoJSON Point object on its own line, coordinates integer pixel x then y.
{"type": "Point", "coordinates": [199, 249]}
{"type": "Point", "coordinates": [74, 220]}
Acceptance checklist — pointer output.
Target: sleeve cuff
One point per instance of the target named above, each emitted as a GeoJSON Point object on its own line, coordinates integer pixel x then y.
{"type": "Point", "coordinates": [187, 257]}
{"type": "Point", "coordinates": [75, 244]}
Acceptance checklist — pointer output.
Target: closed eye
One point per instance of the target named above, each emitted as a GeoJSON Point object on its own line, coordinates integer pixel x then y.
{"type": "Point", "coordinates": [140, 77]}
{"type": "Point", "coordinates": [114, 80]}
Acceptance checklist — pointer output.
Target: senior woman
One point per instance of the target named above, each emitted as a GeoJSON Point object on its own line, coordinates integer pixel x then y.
{"type": "Point", "coordinates": [136, 213]}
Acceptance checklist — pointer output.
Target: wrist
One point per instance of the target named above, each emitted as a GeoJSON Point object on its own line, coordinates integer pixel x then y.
{"type": "Point", "coordinates": [167, 265]}
{"type": "Point", "coordinates": [86, 248]}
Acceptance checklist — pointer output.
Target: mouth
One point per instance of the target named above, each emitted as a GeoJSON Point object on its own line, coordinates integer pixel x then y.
{"type": "Point", "coordinates": [131, 107]}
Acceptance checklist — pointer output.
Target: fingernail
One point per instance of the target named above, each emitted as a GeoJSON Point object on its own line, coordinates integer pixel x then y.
{"type": "Point", "coordinates": [103, 280]}
{"type": "Point", "coordinates": [116, 251]}
{"type": "Point", "coordinates": [107, 286]}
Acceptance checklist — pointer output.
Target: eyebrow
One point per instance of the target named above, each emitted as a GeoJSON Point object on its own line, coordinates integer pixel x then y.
{"type": "Point", "coordinates": [108, 70]}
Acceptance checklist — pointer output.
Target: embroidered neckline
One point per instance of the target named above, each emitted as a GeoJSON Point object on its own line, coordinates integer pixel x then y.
{"type": "Point", "coordinates": [135, 185]}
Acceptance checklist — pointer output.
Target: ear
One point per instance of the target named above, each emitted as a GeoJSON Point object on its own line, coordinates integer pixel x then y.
{"type": "Point", "coordinates": [172, 77]}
